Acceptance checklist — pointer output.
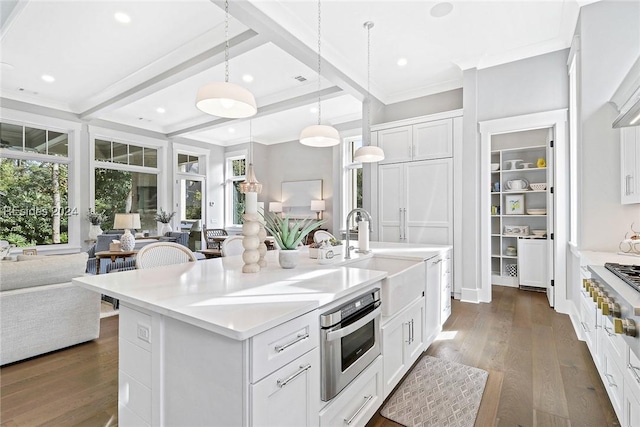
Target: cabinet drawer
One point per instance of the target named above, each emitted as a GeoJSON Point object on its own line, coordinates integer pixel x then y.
{"type": "Point", "coordinates": [633, 372]}
{"type": "Point", "coordinates": [278, 346]}
{"type": "Point", "coordinates": [357, 403]}
{"type": "Point", "coordinates": [613, 379]}
{"type": "Point", "coordinates": [290, 395]}
{"type": "Point", "coordinates": [615, 342]}
{"type": "Point", "coordinates": [135, 327]}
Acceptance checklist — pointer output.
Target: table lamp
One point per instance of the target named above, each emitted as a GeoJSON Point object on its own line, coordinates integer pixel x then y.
{"type": "Point", "coordinates": [127, 221]}
{"type": "Point", "coordinates": [318, 206]}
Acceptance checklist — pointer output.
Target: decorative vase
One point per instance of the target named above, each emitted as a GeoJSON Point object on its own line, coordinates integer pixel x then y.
{"type": "Point", "coordinates": [94, 231]}
{"type": "Point", "coordinates": [166, 228]}
{"type": "Point", "coordinates": [127, 241]}
{"type": "Point", "coordinates": [288, 258]}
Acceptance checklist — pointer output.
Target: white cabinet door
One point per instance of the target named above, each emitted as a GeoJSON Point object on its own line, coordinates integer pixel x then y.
{"type": "Point", "coordinates": [630, 164]}
{"type": "Point", "coordinates": [631, 405]}
{"type": "Point", "coordinates": [402, 343]}
{"type": "Point", "coordinates": [532, 262]}
{"type": "Point", "coordinates": [432, 298]}
{"type": "Point", "coordinates": [613, 379]}
{"type": "Point", "coordinates": [429, 202]}
{"type": "Point", "coordinates": [391, 202]}
{"type": "Point", "coordinates": [415, 322]}
{"type": "Point", "coordinates": [289, 396]}
{"type": "Point", "coordinates": [433, 140]}
{"type": "Point", "coordinates": [396, 144]}
{"type": "Point", "coordinates": [394, 334]}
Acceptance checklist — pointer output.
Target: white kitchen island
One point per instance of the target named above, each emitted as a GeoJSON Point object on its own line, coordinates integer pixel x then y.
{"type": "Point", "coordinates": [205, 344]}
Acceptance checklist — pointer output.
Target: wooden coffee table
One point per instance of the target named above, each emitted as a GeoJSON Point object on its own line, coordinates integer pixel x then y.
{"type": "Point", "coordinates": [114, 255]}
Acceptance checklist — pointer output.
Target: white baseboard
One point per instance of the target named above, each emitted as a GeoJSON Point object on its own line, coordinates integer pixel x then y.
{"type": "Point", "coordinates": [470, 295]}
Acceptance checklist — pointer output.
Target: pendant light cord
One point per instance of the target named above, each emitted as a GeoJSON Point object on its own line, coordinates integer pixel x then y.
{"type": "Point", "coordinates": [319, 62]}
{"type": "Point", "coordinates": [369, 25]}
{"type": "Point", "coordinates": [226, 41]}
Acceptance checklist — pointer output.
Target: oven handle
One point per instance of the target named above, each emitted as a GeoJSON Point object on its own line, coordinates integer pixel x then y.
{"type": "Point", "coordinates": [334, 335]}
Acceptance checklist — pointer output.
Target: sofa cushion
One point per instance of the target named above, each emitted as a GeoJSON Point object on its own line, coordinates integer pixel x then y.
{"type": "Point", "coordinates": [42, 271]}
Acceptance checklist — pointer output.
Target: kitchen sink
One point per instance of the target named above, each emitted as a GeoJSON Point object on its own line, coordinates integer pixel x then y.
{"type": "Point", "coordinates": [404, 283]}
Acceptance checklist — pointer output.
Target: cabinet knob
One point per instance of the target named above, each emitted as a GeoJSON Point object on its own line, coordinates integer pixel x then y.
{"type": "Point", "coordinates": [625, 326]}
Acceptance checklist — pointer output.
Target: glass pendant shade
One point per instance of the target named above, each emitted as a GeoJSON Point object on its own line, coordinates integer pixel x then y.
{"type": "Point", "coordinates": [224, 99]}
{"type": "Point", "coordinates": [319, 136]}
{"type": "Point", "coordinates": [368, 154]}
{"type": "Point", "coordinates": [250, 184]}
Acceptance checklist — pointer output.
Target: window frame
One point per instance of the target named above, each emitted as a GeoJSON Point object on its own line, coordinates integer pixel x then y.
{"type": "Point", "coordinates": [129, 139]}
{"type": "Point", "coordinates": [73, 131]}
{"type": "Point", "coordinates": [203, 161]}
{"type": "Point", "coordinates": [349, 183]}
{"type": "Point", "coordinates": [229, 186]}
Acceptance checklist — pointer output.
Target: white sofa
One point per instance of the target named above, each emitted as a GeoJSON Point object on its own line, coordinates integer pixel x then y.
{"type": "Point", "coordinates": [41, 310]}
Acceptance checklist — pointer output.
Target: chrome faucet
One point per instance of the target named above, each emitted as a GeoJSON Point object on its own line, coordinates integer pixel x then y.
{"type": "Point", "coordinates": [349, 215]}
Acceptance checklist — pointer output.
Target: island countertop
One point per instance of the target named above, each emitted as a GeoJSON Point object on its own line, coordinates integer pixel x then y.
{"type": "Point", "coordinates": [215, 295]}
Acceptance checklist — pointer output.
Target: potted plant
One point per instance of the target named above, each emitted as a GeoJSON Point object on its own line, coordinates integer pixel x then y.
{"type": "Point", "coordinates": [96, 219]}
{"type": "Point", "coordinates": [288, 235]}
{"type": "Point", "coordinates": [165, 218]}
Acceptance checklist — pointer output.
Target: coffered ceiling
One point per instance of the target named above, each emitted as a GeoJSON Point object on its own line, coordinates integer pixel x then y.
{"type": "Point", "coordinates": [145, 73]}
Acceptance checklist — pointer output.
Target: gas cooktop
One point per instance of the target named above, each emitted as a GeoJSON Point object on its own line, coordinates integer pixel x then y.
{"type": "Point", "coordinates": [630, 274]}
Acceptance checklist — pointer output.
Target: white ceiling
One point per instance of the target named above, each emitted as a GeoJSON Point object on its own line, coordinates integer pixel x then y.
{"type": "Point", "coordinates": [123, 73]}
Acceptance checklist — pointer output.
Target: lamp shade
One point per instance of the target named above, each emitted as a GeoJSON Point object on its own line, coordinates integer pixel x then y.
{"type": "Point", "coordinates": [224, 99]}
{"type": "Point", "coordinates": [127, 221]}
{"type": "Point", "coordinates": [319, 136]}
{"type": "Point", "coordinates": [275, 207]}
{"type": "Point", "coordinates": [317, 205]}
{"type": "Point", "coordinates": [368, 154]}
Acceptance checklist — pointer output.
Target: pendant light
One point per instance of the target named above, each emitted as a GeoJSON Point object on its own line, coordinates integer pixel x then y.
{"type": "Point", "coordinates": [224, 99]}
{"type": "Point", "coordinates": [368, 153]}
{"type": "Point", "coordinates": [319, 135]}
{"type": "Point", "coordinates": [250, 183]}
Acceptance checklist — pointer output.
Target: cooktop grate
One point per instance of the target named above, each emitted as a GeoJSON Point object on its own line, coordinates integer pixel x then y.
{"type": "Point", "coordinates": [630, 274]}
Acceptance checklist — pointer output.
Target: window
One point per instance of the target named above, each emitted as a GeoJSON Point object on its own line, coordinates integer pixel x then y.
{"type": "Point", "coordinates": [34, 186]}
{"type": "Point", "coordinates": [352, 178]}
{"type": "Point", "coordinates": [190, 193]}
{"type": "Point", "coordinates": [126, 180]}
{"type": "Point", "coordinates": [235, 199]}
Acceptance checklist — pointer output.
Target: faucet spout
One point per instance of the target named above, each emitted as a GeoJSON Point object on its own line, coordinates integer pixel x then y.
{"type": "Point", "coordinates": [367, 217]}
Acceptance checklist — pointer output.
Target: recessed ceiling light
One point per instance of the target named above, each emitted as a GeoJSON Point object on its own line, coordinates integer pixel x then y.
{"type": "Point", "coordinates": [232, 130]}
{"type": "Point", "coordinates": [122, 17]}
{"type": "Point", "coordinates": [441, 9]}
{"type": "Point", "coordinates": [313, 110]}
{"type": "Point", "coordinates": [161, 110]}
{"type": "Point", "coordinates": [47, 78]}
{"type": "Point", "coordinates": [402, 62]}
{"type": "Point", "coordinates": [248, 78]}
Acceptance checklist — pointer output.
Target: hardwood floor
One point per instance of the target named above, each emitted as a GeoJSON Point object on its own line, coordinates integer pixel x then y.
{"type": "Point", "coordinates": [77, 386]}
{"type": "Point", "coordinates": [539, 373]}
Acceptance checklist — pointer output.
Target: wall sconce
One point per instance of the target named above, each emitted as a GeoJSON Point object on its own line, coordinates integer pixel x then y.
{"type": "Point", "coordinates": [318, 206]}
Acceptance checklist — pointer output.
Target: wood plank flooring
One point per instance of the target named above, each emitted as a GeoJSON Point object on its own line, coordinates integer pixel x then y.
{"type": "Point", "coordinates": [539, 373]}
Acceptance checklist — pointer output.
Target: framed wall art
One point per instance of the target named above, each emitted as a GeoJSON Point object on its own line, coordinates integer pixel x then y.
{"type": "Point", "coordinates": [514, 204]}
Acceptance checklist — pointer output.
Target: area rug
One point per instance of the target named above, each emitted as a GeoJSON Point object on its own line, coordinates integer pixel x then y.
{"type": "Point", "coordinates": [439, 393]}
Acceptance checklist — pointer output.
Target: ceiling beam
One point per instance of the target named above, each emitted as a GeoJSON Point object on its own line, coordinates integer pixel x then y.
{"type": "Point", "coordinates": [264, 110]}
{"type": "Point", "coordinates": [208, 59]}
{"type": "Point", "coordinates": [249, 15]}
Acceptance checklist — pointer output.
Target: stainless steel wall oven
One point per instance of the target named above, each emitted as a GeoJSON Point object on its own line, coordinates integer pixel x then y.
{"type": "Point", "coordinates": [350, 341]}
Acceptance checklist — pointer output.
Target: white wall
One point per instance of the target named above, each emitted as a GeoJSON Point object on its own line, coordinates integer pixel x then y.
{"type": "Point", "coordinates": [609, 44]}
{"type": "Point", "coordinates": [423, 106]}
{"type": "Point", "coordinates": [522, 87]}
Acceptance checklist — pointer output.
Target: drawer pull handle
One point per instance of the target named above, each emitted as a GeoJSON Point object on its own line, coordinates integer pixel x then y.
{"type": "Point", "coordinates": [584, 326]}
{"type": "Point", "coordinates": [302, 370]}
{"type": "Point", "coordinates": [610, 380]}
{"type": "Point", "coordinates": [634, 372]}
{"type": "Point", "coordinates": [353, 417]}
{"type": "Point", "coordinates": [608, 331]}
{"type": "Point", "coordinates": [300, 337]}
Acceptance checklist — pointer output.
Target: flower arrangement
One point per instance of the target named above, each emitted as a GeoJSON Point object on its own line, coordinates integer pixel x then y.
{"type": "Point", "coordinates": [164, 217]}
{"type": "Point", "coordinates": [96, 218]}
{"type": "Point", "coordinates": [288, 234]}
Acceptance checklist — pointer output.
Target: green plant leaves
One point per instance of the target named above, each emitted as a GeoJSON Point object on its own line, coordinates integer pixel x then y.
{"type": "Point", "coordinates": [289, 233]}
